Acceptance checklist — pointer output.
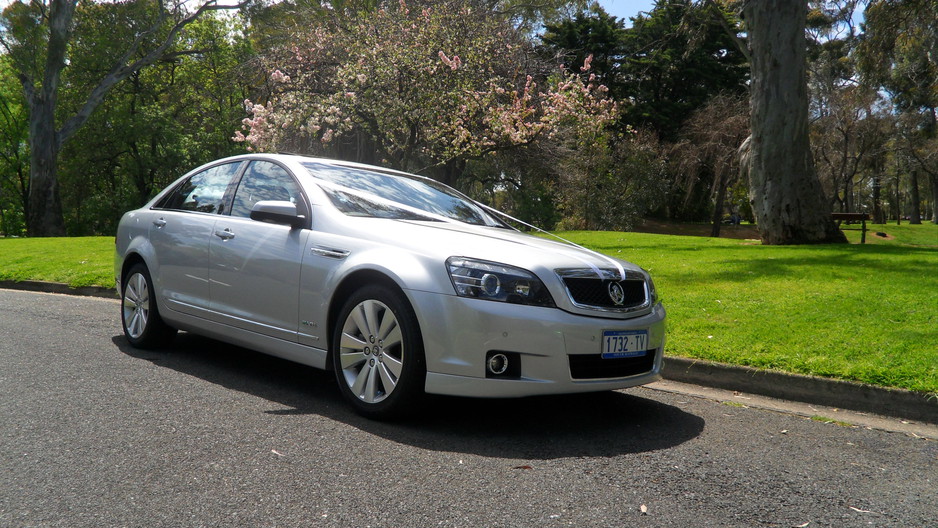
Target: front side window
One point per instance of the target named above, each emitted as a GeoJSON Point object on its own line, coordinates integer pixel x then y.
{"type": "Point", "coordinates": [264, 180]}
{"type": "Point", "coordinates": [204, 191]}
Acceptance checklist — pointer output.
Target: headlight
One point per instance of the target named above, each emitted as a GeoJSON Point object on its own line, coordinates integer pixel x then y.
{"type": "Point", "coordinates": [652, 292]}
{"type": "Point", "coordinates": [496, 282]}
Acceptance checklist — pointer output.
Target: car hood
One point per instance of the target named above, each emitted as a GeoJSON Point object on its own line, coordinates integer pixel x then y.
{"type": "Point", "coordinates": [442, 240]}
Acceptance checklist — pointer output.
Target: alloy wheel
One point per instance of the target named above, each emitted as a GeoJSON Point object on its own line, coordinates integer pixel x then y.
{"type": "Point", "coordinates": [136, 305]}
{"type": "Point", "coordinates": [371, 351]}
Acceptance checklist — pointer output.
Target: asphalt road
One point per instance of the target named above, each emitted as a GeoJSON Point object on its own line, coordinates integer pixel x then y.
{"type": "Point", "coordinates": [94, 433]}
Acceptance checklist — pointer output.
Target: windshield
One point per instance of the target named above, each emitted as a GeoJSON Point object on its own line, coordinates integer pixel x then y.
{"type": "Point", "coordinates": [413, 193]}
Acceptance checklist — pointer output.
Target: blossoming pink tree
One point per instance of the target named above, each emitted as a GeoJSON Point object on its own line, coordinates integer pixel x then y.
{"type": "Point", "coordinates": [422, 89]}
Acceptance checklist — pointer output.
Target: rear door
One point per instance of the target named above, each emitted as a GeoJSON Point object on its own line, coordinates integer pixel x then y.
{"type": "Point", "coordinates": [255, 266]}
{"type": "Point", "coordinates": [182, 226]}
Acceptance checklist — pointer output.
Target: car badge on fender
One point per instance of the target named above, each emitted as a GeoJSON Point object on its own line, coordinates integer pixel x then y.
{"type": "Point", "coordinates": [616, 293]}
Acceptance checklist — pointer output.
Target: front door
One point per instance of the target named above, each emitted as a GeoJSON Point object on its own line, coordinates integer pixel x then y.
{"type": "Point", "coordinates": [254, 267]}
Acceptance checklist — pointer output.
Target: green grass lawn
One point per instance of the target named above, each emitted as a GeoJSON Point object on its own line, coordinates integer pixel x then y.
{"type": "Point", "coordinates": [80, 261]}
{"type": "Point", "coordinates": [905, 234]}
{"type": "Point", "coordinates": [867, 313]}
{"type": "Point", "coordinates": [860, 312]}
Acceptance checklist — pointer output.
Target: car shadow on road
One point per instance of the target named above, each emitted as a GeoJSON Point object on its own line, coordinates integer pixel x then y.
{"type": "Point", "coordinates": [587, 425]}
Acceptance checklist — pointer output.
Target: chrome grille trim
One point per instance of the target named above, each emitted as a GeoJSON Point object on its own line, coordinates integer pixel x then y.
{"type": "Point", "coordinates": [604, 275]}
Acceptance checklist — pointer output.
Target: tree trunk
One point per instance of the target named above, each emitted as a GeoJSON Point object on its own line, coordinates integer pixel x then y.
{"type": "Point", "coordinates": [898, 199]}
{"type": "Point", "coordinates": [846, 204]}
{"type": "Point", "coordinates": [717, 217]}
{"type": "Point", "coordinates": [45, 206]}
{"type": "Point", "coordinates": [786, 194]}
{"type": "Point", "coordinates": [916, 215]}
{"type": "Point", "coordinates": [879, 217]}
{"type": "Point", "coordinates": [933, 178]}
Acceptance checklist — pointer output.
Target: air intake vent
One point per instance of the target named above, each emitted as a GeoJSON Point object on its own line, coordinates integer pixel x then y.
{"type": "Point", "coordinates": [593, 366]}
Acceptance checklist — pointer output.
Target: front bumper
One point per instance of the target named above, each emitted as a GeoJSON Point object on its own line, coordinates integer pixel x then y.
{"type": "Point", "coordinates": [458, 332]}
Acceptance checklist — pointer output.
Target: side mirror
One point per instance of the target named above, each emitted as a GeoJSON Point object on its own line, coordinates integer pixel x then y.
{"type": "Point", "coordinates": [277, 212]}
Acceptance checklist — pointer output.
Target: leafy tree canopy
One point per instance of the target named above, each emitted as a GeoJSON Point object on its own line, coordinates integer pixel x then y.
{"type": "Point", "coordinates": [416, 87]}
{"type": "Point", "coordinates": [670, 62]}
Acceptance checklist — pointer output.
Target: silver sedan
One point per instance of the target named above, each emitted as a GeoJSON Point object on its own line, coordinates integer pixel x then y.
{"type": "Point", "coordinates": [399, 284]}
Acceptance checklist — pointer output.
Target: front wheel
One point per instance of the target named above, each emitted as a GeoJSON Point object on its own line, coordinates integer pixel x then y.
{"type": "Point", "coordinates": [140, 317]}
{"type": "Point", "coordinates": [377, 353]}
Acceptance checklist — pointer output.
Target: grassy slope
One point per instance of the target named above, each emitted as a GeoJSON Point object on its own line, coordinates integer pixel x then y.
{"type": "Point", "coordinates": [867, 313]}
{"type": "Point", "coordinates": [905, 234]}
{"type": "Point", "coordinates": [81, 261]}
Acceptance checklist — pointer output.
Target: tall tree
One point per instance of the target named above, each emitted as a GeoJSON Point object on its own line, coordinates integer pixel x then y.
{"type": "Point", "coordinates": [899, 52]}
{"type": "Point", "coordinates": [14, 153]}
{"type": "Point", "coordinates": [590, 33]}
{"type": "Point", "coordinates": [418, 88]}
{"type": "Point", "coordinates": [155, 124]}
{"type": "Point", "coordinates": [669, 63]}
{"type": "Point", "coordinates": [706, 155]}
{"type": "Point", "coordinates": [37, 36]}
{"type": "Point", "coordinates": [787, 197]}
{"type": "Point", "coordinates": [679, 55]}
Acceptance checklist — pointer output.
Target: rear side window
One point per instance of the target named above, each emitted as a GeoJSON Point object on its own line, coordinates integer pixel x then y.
{"type": "Point", "coordinates": [204, 191]}
{"type": "Point", "coordinates": [264, 180]}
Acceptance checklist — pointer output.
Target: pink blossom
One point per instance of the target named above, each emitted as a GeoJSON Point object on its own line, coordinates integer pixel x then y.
{"type": "Point", "coordinates": [279, 76]}
{"type": "Point", "coordinates": [453, 63]}
{"type": "Point", "coordinates": [586, 63]}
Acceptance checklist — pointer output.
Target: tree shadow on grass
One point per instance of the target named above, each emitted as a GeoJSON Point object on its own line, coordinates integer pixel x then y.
{"type": "Point", "coordinates": [587, 425]}
{"type": "Point", "coordinates": [742, 264]}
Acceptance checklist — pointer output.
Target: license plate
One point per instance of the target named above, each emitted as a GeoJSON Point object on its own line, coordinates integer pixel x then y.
{"type": "Point", "coordinates": [624, 343]}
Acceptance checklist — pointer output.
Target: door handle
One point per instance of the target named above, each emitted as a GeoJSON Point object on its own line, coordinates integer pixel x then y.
{"type": "Point", "coordinates": [159, 222]}
{"type": "Point", "coordinates": [225, 235]}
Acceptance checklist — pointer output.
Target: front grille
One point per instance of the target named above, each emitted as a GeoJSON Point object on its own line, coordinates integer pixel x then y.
{"type": "Point", "coordinates": [593, 366]}
{"type": "Point", "coordinates": [595, 292]}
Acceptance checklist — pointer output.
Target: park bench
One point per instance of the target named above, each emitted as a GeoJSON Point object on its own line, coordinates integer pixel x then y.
{"type": "Point", "coordinates": [853, 217]}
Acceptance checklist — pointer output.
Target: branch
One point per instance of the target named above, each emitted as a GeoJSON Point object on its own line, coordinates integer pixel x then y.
{"type": "Point", "coordinates": [5, 45]}
{"type": "Point", "coordinates": [29, 89]}
{"type": "Point", "coordinates": [60, 23]}
{"type": "Point", "coordinates": [717, 13]}
{"type": "Point", "coordinates": [120, 70]}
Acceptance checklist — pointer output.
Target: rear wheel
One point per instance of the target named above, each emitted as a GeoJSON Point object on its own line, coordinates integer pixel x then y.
{"type": "Point", "coordinates": [377, 353]}
{"type": "Point", "coordinates": [140, 317]}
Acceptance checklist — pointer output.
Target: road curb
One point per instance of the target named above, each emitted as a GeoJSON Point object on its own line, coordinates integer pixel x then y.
{"type": "Point", "coordinates": [807, 389]}
{"type": "Point", "coordinates": [781, 385]}
{"type": "Point", "coordinates": [59, 287]}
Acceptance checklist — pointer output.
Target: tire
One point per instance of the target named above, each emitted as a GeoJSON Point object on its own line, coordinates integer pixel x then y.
{"type": "Point", "coordinates": [378, 355]}
{"type": "Point", "coordinates": [140, 317]}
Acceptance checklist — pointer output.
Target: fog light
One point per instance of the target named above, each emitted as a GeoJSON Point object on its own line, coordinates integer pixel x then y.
{"type": "Point", "coordinates": [497, 364]}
